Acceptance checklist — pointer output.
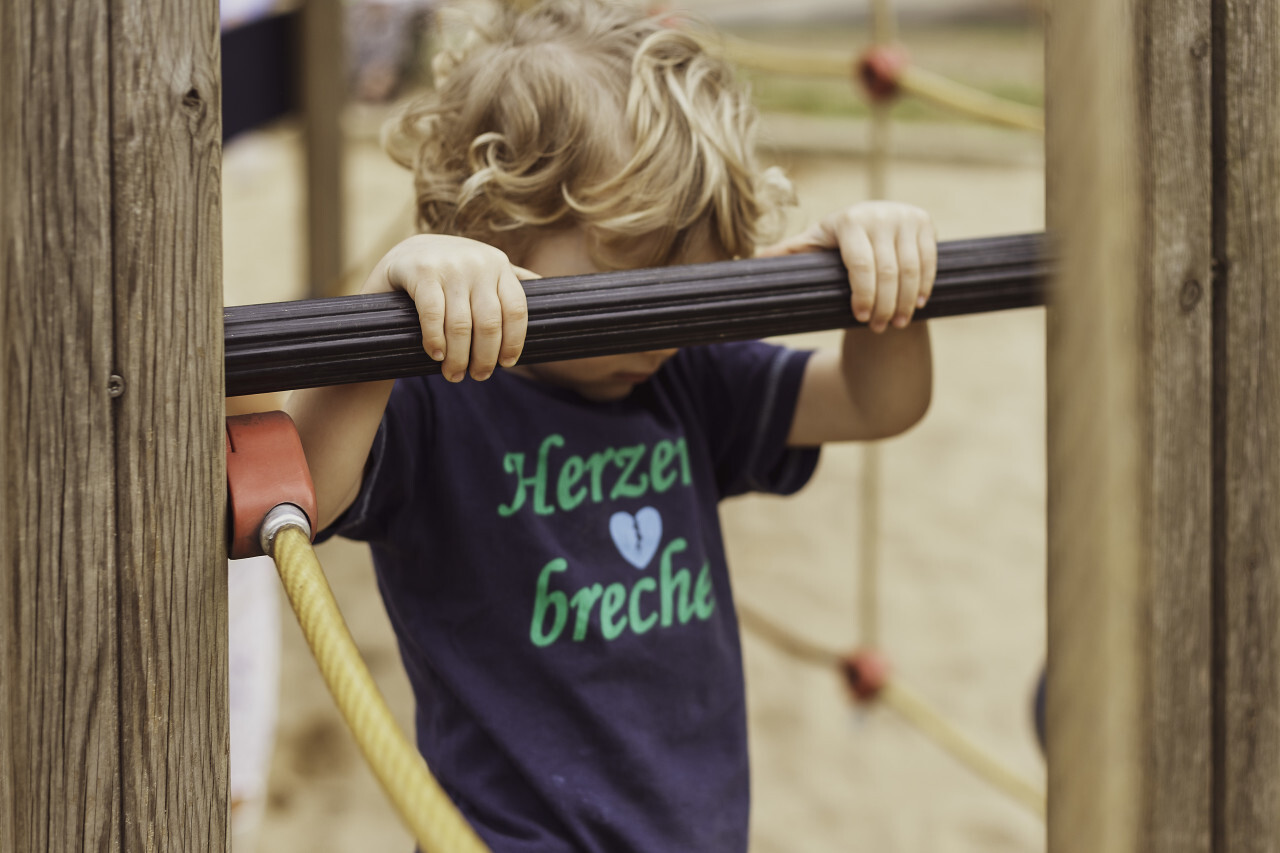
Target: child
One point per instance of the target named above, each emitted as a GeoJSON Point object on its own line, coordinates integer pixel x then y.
{"type": "Point", "coordinates": [546, 540]}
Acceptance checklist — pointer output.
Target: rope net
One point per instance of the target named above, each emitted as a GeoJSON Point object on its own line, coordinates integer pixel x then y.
{"type": "Point", "coordinates": [939, 90]}
{"type": "Point", "coordinates": [911, 79]}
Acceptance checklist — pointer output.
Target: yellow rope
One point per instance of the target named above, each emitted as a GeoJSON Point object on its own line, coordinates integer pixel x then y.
{"type": "Point", "coordinates": [884, 28]}
{"type": "Point", "coordinates": [915, 81]}
{"type": "Point", "coordinates": [792, 644]}
{"type": "Point", "coordinates": [936, 89]}
{"type": "Point", "coordinates": [868, 565]}
{"type": "Point", "coordinates": [908, 706]}
{"type": "Point", "coordinates": [911, 708]}
{"type": "Point", "coordinates": [424, 807]}
{"type": "Point", "coordinates": [884, 23]}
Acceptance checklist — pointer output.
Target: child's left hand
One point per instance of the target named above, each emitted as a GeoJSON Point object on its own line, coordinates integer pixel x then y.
{"type": "Point", "coordinates": [890, 250]}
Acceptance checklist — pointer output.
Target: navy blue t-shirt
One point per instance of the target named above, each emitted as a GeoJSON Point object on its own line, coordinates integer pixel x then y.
{"type": "Point", "coordinates": [554, 571]}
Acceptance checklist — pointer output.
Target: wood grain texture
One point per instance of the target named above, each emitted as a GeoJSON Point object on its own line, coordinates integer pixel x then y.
{"type": "Point", "coordinates": [1130, 439]}
{"type": "Point", "coordinates": [59, 692]}
{"type": "Point", "coordinates": [112, 611]}
{"type": "Point", "coordinates": [1247, 382]}
{"type": "Point", "coordinates": [1173, 44]}
{"type": "Point", "coordinates": [324, 87]}
{"type": "Point", "coordinates": [1095, 591]}
{"type": "Point", "coordinates": [171, 479]}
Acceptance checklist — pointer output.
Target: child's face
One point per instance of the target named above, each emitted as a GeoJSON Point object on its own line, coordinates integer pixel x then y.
{"type": "Point", "coordinates": [603, 378]}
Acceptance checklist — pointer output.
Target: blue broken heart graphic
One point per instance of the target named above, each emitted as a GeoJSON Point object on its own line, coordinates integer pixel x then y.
{"type": "Point", "coordinates": [637, 536]}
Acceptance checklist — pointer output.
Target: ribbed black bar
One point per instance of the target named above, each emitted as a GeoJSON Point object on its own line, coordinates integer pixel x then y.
{"type": "Point", "coordinates": [285, 345]}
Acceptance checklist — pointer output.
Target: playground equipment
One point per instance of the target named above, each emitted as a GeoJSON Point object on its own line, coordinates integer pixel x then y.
{"type": "Point", "coordinates": [885, 73]}
{"type": "Point", "coordinates": [359, 338]}
{"type": "Point", "coordinates": [271, 502]}
{"type": "Point", "coordinates": [323, 342]}
{"type": "Point", "coordinates": [1164, 160]}
{"type": "Point", "coordinates": [868, 675]}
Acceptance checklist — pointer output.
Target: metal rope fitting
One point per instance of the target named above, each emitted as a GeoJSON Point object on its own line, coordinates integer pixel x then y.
{"type": "Point", "coordinates": [282, 516]}
{"type": "Point", "coordinates": [266, 467]}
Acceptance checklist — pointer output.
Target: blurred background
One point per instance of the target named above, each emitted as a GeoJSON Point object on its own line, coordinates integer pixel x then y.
{"type": "Point", "coordinates": [960, 534]}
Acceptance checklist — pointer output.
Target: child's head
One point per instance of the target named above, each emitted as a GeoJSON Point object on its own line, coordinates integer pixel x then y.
{"type": "Point", "coordinates": [591, 115]}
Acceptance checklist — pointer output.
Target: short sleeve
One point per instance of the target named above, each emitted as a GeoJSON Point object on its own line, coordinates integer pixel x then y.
{"type": "Point", "coordinates": [745, 394]}
{"type": "Point", "coordinates": [393, 467]}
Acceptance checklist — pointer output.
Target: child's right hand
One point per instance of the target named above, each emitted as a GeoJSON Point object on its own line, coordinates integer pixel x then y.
{"type": "Point", "coordinates": [470, 302]}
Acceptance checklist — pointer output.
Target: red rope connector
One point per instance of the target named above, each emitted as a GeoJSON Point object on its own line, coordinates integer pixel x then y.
{"type": "Point", "coordinates": [265, 468]}
{"type": "Point", "coordinates": [867, 672]}
{"type": "Point", "coordinates": [879, 70]}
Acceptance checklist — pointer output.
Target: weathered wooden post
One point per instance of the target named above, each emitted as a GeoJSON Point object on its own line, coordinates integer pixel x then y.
{"type": "Point", "coordinates": [1246, 487]}
{"type": "Point", "coordinates": [1164, 401]}
{"type": "Point", "coordinates": [113, 705]}
{"type": "Point", "coordinates": [322, 74]}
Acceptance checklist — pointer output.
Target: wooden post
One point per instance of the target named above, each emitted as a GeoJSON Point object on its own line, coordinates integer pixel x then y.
{"type": "Point", "coordinates": [324, 86]}
{"type": "Point", "coordinates": [113, 702]}
{"type": "Point", "coordinates": [1247, 440]}
{"type": "Point", "coordinates": [1164, 395]}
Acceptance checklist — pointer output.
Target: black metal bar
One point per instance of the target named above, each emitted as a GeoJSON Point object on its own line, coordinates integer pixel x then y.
{"type": "Point", "coordinates": [314, 342]}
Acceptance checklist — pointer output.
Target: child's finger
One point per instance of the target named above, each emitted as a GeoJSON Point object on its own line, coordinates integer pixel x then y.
{"type": "Point", "coordinates": [428, 299]}
{"type": "Point", "coordinates": [457, 329]}
{"type": "Point", "coordinates": [860, 262]}
{"type": "Point", "coordinates": [928, 243]}
{"type": "Point", "coordinates": [909, 272]}
{"type": "Point", "coordinates": [886, 266]}
{"type": "Point", "coordinates": [515, 317]}
{"type": "Point", "coordinates": [486, 330]}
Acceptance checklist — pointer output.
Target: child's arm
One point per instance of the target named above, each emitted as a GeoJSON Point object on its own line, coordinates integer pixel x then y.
{"type": "Point", "coordinates": [472, 310]}
{"type": "Point", "coordinates": [880, 382]}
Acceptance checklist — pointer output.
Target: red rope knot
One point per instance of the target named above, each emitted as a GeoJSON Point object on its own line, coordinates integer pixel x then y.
{"type": "Point", "coordinates": [879, 70]}
{"type": "Point", "coordinates": [866, 671]}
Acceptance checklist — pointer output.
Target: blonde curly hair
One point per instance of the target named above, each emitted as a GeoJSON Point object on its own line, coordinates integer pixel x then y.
{"type": "Point", "coordinates": [592, 114]}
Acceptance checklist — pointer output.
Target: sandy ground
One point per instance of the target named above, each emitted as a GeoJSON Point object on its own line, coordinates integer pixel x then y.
{"type": "Point", "coordinates": [961, 540]}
